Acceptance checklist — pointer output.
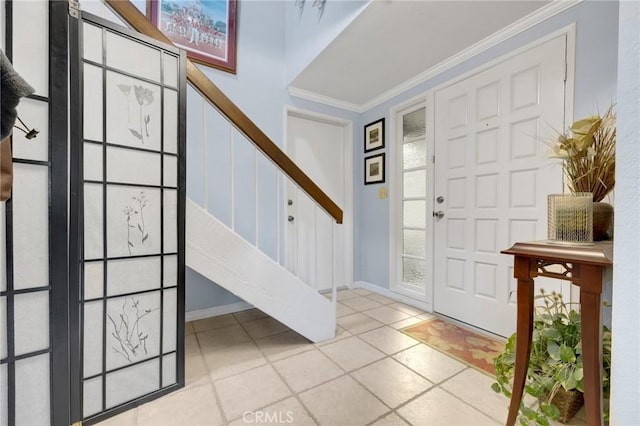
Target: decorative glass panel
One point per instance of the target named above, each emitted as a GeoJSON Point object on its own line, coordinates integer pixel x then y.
{"type": "Point", "coordinates": [170, 121]}
{"type": "Point", "coordinates": [414, 124]}
{"type": "Point", "coordinates": [414, 154]}
{"type": "Point", "coordinates": [30, 226]}
{"type": "Point", "coordinates": [30, 35]}
{"type": "Point", "coordinates": [133, 112]}
{"type": "Point", "coordinates": [32, 391]}
{"type": "Point", "coordinates": [3, 253]}
{"type": "Point", "coordinates": [170, 275]}
{"type": "Point", "coordinates": [34, 113]}
{"type": "Point", "coordinates": [170, 171]}
{"type": "Point", "coordinates": [92, 396]}
{"type": "Point", "coordinates": [133, 329]}
{"type": "Point", "coordinates": [413, 272]}
{"type": "Point", "coordinates": [133, 275]}
{"type": "Point", "coordinates": [93, 279]}
{"type": "Point", "coordinates": [133, 382]}
{"type": "Point", "coordinates": [120, 50]}
{"type": "Point", "coordinates": [31, 322]}
{"type": "Point", "coordinates": [169, 332]}
{"type": "Point", "coordinates": [415, 184]}
{"type": "Point", "coordinates": [92, 42]}
{"type": "Point", "coordinates": [3, 395]}
{"type": "Point", "coordinates": [93, 221]}
{"type": "Point", "coordinates": [92, 338]}
{"type": "Point", "coordinates": [414, 214]}
{"type": "Point", "coordinates": [170, 70]}
{"type": "Point", "coordinates": [133, 221]}
{"type": "Point", "coordinates": [3, 328]}
{"type": "Point", "coordinates": [170, 221]}
{"type": "Point", "coordinates": [92, 109]}
{"type": "Point", "coordinates": [413, 242]}
{"type": "Point", "coordinates": [168, 370]}
{"type": "Point", "coordinates": [92, 168]}
{"type": "Point", "coordinates": [131, 166]}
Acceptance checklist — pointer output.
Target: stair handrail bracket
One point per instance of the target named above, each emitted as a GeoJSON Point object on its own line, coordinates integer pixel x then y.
{"type": "Point", "coordinates": [199, 81]}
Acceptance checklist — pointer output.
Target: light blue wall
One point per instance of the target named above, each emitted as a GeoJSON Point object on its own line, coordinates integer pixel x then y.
{"type": "Point", "coordinates": [625, 391]}
{"type": "Point", "coordinates": [306, 36]}
{"type": "Point", "coordinates": [595, 87]}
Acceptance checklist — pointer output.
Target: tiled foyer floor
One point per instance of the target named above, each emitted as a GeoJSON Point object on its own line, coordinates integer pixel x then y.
{"type": "Point", "coordinates": [247, 368]}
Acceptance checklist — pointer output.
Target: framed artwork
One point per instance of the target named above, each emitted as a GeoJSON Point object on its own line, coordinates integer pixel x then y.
{"type": "Point", "coordinates": [206, 29]}
{"type": "Point", "coordinates": [374, 169]}
{"type": "Point", "coordinates": [374, 135]}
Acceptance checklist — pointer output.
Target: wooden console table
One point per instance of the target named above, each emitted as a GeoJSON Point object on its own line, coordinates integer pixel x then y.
{"type": "Point", "coordinates": [583, 266]}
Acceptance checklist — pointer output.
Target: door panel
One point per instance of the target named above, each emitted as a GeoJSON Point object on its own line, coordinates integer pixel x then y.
{"type": "Point", "coordinates": [493, 172]}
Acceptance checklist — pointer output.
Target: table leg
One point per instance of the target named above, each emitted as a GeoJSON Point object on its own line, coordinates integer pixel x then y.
{"type": "Point", "coordinates": [524, 329]}
{"type": "Point", "coordinates": [590, 289]}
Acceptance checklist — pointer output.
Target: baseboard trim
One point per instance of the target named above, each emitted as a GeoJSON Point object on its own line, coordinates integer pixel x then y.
{"type": "Point", "coordinates": [215, 311]}
{"type": "Point", "coordinates": [425, 306]}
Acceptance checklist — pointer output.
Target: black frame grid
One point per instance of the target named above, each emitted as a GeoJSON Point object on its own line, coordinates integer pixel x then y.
{"type": "Point", "coordinates": [77, 260]}
{"type": "Point", "coordinates": [57, 223]}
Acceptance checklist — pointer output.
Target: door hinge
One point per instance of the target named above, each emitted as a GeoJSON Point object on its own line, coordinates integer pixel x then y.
{"type": "Point", "coordinates": [433, 159]}
{"type": "Point", "coordinates": [566, 70]}
{"type": "Point", "coordinates": [74, 8]}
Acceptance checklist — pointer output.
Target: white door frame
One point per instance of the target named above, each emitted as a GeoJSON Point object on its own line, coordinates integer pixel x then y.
{"type": "Point", "coordinates": [428, 98]}
{"type": "Point", "coordinates": [347, 209]}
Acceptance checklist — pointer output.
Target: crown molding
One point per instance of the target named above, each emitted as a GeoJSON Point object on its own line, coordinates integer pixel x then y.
{"type": "Point", "coordinates": [545, 12]}
{"type": "Point", "coordinates": [326, 100]}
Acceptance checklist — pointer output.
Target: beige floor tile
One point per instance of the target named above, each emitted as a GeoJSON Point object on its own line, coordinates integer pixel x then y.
{"type": "Point", "coordinates": [128, 418]}
{"type": "Point", "coordinates": [188, 329]}
{"type": "Point", "coordinates": [214, 322]}
{"type": "Point", "coordinates": [343, 310]}
{"type": "Point", "coordinates": [346, 295]}
{"type": "Point", "coordinates": [474, 388]}
{"type": "Point", "coordinates": [341, 334]}
{"type": "Point", "coordinates": [287, 412]}
{"type": "Point", "coordinates": [221, 338]}
{"type": "Point", "coordinates": [405, 323]}
{"type": "Point", "coordinates": [307, 370]}
{"type": "Point", "coordinates": [361, 303]}
{"type": "Point", "coordinates": [388, 340]}
{"type": "Point", "coordinates": [381, 299]}
{"type": "Point", "coordinates": [407, 309]}
{"type": "Point", "coordinates": [362, 292]}
{"type": "Point", "coordinates": [342, 401]}
{"type": "Point", "coordinates": [250, 390]}
{"type": "Point", "coordinates": [427, 316]}
{"type": "Point", "coordinates": [386, 314]}
{"type": "Point", "coordinates": [352, 353]}
{"type": "Point", "coordinates": [196, 372]}
{"type": "Point", "coordinates": [264, 327]}
{"type": "Point", "coordinates": [437, 407]}
{"type": "Point", "coordinates": [193, 407]}
{"type": "Point", "coordinates": [391, 420]}
{"type": "Point", "coordinates": [283, 344]}
{"type": "Point", "coordinates": [250, 315]}
{"type": "Point", "coordinates": [225, 362]}
{"type": "Point", "coordinates": [391, 381]}
{"type": "Point", "coordinates": [358, 323]}
{"type": "Point", "coordinates": [430, 363]}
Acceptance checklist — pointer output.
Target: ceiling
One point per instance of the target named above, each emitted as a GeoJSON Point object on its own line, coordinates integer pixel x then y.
{"type": "Point", "coordinates": [392, 41]}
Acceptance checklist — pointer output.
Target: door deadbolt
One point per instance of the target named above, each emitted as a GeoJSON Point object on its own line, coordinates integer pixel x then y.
{"type": "Point", "coordinates": [440, 199]}
{"type": "Point", "coordinates": [291, 218]}
{"type": "Point", "coordinates": [289, 202]}
{"type": "Point", "coordinates": [439, 214]}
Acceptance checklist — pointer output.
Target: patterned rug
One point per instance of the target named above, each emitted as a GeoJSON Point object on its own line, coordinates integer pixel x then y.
{"type": "Point", "coordinates": [473, 349]}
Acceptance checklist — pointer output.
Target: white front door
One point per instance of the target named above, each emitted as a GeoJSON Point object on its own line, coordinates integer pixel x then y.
{"type": "Point", "coordinates": [493, 173]}
{"type": "Point", "coordinates": [315, 244]}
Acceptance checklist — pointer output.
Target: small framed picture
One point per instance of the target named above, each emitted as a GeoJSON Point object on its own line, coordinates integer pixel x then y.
{"type": "Point", "coordinates": [374, 135]}
{"type": "Point", "coordinates": [374, 169]}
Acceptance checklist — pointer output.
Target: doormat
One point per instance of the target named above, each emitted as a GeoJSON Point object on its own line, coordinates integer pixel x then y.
{"type": "Point", "coordinates": [474, 349]}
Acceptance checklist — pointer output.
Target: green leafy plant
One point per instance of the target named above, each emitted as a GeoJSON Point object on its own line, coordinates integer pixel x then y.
{"type": "Point", "coordinates": [555, 362]}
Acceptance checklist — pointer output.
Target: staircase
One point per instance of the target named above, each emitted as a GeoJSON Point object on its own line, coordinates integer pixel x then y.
{"type": "Point", "coordinates": [221, 254]}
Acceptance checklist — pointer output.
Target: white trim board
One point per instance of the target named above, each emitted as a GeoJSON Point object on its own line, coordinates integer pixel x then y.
{"type": "Point", "coordinates": [215, 311]}
{"type": "Point", "coordinates": [425, 306]}
{"type": "Point", "coordinates": [549, 10]}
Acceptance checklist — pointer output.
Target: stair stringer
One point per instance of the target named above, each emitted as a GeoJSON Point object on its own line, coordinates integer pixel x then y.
{"type": "Point", "coordinates": [224, 257]}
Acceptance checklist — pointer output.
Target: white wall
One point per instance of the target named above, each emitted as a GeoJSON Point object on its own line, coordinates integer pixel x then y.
{"type": "Point", "coordinates": [625, 393]}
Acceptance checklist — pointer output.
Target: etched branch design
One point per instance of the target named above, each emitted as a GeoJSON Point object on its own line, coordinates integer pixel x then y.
{"type": "Point", "coordinates": [130, 213]}
{"type": "Point", "coordinates": [144, 98]}
{"type": "Point", "coordinates": [131, 341]}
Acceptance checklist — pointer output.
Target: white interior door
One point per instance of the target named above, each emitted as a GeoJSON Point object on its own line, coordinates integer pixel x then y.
{"type": "Point", "coordinates": [493, 172]}
{"type": "Point", "coordinates": [315, 244]}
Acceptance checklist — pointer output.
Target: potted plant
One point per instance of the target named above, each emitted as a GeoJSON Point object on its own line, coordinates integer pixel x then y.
{"type": "Point", "coordinates": [588, 154]}
{"type": "Point", "coordinates": [555, 375]}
